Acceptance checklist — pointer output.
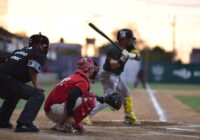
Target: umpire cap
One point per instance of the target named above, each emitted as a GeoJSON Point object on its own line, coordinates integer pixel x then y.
{"type": "Point", "coordinates": [38, 38]}
{"type": "Point", "coordinates": [125, 33]}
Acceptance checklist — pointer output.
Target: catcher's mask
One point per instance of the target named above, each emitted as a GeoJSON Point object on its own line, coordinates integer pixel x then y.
{"type": "Point", "coordinates": [39, 39]}
{"type": "Point", "coordinates": [88, 64]}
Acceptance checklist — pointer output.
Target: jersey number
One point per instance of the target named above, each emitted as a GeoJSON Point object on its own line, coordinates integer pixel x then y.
{"type": "Point", "coordinates": [63, 81]}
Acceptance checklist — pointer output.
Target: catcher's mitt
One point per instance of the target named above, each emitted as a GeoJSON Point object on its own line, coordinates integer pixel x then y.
{"type": "Point", "coordinates": [114, 100]}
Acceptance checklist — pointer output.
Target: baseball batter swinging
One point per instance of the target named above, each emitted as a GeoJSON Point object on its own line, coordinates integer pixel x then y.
{"type": "Point", "coordinates": [116, 58]}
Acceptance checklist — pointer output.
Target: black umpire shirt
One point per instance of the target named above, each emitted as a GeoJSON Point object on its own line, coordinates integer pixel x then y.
{"type": "Point", "coordinates": [21, 60]}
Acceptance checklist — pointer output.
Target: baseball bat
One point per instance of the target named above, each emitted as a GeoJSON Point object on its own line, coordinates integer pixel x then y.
{"type": "Point", "coordinates": [101, 33]}
{"type": "Point", "coordinates": [132, 55]}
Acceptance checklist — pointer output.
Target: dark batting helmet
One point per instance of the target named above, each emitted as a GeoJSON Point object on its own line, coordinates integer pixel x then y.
{"type": "Point", "coordinates": [125, 33]}
{"type": "Point", "coordinates": [38, 38]}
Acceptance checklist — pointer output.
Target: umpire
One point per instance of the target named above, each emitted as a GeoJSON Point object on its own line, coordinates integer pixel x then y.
{"type": "Point", "coordinates": [22, 67]}
{"type": "Point", "coordinates": [2, 61]}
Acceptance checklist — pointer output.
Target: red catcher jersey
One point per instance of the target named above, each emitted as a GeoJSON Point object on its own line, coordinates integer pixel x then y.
{"type": "Point", "coordinates": [60, 92]}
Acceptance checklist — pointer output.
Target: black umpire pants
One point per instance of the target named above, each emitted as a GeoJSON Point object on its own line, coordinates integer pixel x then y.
{"type": "Point", "coordinates": [12, 90]}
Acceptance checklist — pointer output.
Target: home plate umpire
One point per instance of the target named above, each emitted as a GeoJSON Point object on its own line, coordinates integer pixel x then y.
{"type": "Point", "coordinates": [22, 67]}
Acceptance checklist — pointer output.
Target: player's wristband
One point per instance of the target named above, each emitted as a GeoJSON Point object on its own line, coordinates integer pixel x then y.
{"type": "Point", "coordinates": [134, 51]}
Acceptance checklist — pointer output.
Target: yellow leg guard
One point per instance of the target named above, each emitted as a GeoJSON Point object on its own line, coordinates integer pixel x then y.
{"type": "Point", "coordinates": [129, 115]}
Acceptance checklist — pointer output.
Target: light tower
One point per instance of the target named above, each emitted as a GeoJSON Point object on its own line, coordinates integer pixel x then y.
{"type": "Point", "coordinates": [174, 38]}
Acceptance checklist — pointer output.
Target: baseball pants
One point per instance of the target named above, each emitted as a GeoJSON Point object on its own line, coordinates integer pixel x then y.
{"type": "Point", "coordinates": [12, 90]}
{"type": "Point", "coordinates": [111, 83]}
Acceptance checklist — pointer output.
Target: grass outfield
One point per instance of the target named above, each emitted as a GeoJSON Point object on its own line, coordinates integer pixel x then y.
{"type": "Point", "coordinates": [191, 101]}
{"type": "Point", "coordinates": [97, 89]}
{"type": "Point", "coordinates": [176, 86]}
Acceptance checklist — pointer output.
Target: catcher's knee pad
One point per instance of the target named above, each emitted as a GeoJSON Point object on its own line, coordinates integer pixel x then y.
{"type": "Point", "coordinates": [83, 107]}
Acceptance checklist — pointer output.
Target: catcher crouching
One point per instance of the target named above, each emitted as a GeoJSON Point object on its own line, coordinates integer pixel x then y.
{"type": "Point", "coordinates": [71, 100]}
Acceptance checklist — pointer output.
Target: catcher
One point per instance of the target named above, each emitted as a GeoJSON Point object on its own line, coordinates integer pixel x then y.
{"type": "Point", "coordinates": [71, 100]}
{"type": "Point", "coordinates": [116, 58]}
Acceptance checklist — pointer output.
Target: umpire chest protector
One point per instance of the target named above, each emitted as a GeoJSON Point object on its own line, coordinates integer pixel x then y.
{"type": "Point", "coordinates": [21, 60]}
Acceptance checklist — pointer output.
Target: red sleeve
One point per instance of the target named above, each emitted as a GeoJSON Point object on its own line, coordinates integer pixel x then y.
{"type": "Point", "coordinates": [83, 85]}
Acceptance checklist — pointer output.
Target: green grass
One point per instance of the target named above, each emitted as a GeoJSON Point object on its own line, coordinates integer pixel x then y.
{"type": "Point", "coordinates": [97, 89]}
{"type": "Point", "coordinates": [191, 101]}
{"type": "Point", "coordinates": [176, 86]}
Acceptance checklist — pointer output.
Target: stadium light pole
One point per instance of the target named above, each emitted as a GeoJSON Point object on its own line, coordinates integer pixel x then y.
{"type": "Point", "coordinates": [174, 38]}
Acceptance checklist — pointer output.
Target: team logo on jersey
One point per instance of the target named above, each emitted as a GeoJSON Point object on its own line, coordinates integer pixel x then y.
{"type": "Point", "coordinates": [21, 53]}
{"type": "Point", "coordinates": [15, 58]}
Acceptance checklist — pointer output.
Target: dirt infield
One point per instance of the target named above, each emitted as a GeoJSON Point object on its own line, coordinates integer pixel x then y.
{"type": "Point", "coordinates": [183, 123]}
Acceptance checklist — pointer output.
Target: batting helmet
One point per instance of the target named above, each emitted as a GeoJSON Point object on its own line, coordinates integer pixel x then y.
{"type": "Point", "coordinates": [38, 38]}
{"type": "Point", "coordinates": [88, 64]}
{"type": "Point", "coordinates": [125, 33]}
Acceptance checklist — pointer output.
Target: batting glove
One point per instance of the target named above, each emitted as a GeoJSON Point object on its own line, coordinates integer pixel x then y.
{"type": "Point", "coordinates": [135, 56]}
{"type": "Point", "coordinates": [125, 55]}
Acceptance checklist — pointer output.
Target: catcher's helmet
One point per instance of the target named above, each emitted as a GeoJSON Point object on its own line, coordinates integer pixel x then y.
{"type": "Point", "coordinates": [88, 64]}
{"type": "Point", "coordinates": [125, 33]}
{"type": "Point", "coordinates": [38, 38]}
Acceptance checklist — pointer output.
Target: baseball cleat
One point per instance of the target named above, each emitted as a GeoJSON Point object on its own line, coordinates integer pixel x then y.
{"type": "Point", "coordinates": [132, 122]}
{"type": "Point", "coordinates": [74, 128]}
{"type": "Point", "coordinates": [87, 121]}
{"type": "Point", "coordinates": [68, 128]}
{"type": "Point", "coordinates": [57, 127]}
{"type": "Point", "coordinates": [79, 129]}
{"type": "Point", "coordinates": [131, 118]}
{"type": "Point", "coordinates": [26, 128]}
{"type": "Point", "coordinates": [6, 125]}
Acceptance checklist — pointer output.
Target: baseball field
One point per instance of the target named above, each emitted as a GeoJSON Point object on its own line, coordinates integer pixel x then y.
{"type": "Point", "coordinates": [180, 106]}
